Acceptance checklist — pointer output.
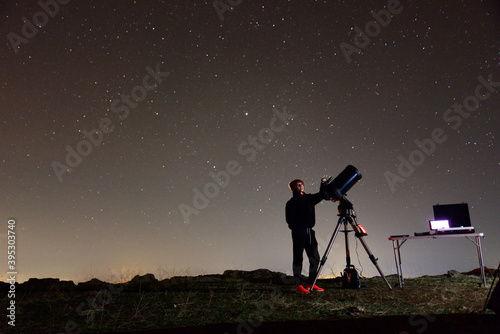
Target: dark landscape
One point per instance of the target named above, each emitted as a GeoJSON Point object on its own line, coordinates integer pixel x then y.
{"type": "Point", "coordinates": [259, 301]}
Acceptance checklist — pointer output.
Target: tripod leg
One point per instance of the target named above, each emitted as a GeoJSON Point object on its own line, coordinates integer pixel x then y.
{"type": "Point", "coordinates": [347, 253]}
{"type": "Point", "coordinates": [496, 274]}
{"type": "Point", "coordinates": [370, 255]}
{"type": "Point", "coordinates": [327, 251]}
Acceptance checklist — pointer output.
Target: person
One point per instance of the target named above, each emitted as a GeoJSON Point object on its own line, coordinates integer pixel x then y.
{"type": "Point", "coordinates": [301, 218]}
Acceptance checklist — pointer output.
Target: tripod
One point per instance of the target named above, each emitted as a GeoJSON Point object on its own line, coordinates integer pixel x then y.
{"type": "Point", "coordinates": [348, 216]}
{"type": "Point", "coordinates": [495, 304]}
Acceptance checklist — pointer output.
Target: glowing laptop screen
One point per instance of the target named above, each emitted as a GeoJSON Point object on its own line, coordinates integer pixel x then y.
{"type": "Point", "coordinates": [438, 224]}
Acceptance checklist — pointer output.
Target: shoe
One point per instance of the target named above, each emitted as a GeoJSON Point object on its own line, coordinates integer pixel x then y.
{"type": "Point", "coordinates": [316, 288]}
{"type": "Point", "coordinates": [300, 289]}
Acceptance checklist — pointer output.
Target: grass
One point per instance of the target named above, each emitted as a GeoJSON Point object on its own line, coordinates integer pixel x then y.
{"type": "Point", "coordinates": [178, 303]}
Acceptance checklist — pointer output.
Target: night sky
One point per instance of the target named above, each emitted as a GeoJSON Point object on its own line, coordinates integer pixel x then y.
{"type": "Point", "coordinates": [160, 136]}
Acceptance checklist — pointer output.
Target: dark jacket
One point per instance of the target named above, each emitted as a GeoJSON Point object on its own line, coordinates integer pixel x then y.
{"type": "Point", "coordinates": [299, 210]}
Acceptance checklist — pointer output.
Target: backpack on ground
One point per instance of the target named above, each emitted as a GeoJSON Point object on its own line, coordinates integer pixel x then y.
{"type": "Point", "coordinates": [350, 278]}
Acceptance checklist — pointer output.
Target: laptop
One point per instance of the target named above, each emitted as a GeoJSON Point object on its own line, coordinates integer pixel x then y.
{"type": "Point", "coordinates": [443, 227]}
{"type": "Point", "coordinates": [451, 218]}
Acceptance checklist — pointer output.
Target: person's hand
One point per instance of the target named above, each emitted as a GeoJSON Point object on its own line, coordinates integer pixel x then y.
{"type": "Point", "coordinates": [322, 191]}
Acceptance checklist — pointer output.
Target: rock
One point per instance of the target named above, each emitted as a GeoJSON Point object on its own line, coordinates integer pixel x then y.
{"type": "Point", "coordinates": [93, 284]}
{"type": "Point", "coordinates": [238, 274]}
{"type": "Point", "coordinates": [283, 279]}
{"type": "Point", "coordinates": [209, 278]}
{"type": "Point", "coordinates": [144, 282]}
{"type": "Point", "coordinates": [66, 285]}
{"type": "Point", "coordinates": [257, 276]}
{"type": "Point", "coordinates": [148, 278]}
{"type": "Point", "coordinates": [180, 280]}
{"type": "Point", "coordinates": [38, 284]}
{"type": "Point", "coordinates": [477, 272]}
{"type": "Point", "coordinates": [454, 273]}
{"type": "Point", "coordinates": [261, 276]}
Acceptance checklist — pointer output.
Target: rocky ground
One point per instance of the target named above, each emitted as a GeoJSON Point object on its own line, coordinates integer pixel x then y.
{"type": "Point", "coordinates": [258, 301]}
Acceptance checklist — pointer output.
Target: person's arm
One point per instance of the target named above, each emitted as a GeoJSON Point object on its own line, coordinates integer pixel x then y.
{"type": "Point", "coordinates": [318, 197]}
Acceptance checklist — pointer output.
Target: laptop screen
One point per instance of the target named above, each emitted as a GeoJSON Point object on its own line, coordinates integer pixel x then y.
{"type": "Point", "coordinates": [456, 214]}
{"type": "Point", "coordinates": [438, 224]}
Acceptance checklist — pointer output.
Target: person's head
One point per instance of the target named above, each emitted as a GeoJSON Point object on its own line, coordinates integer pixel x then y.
{"type": "Point", "coordinates": [297, 186]}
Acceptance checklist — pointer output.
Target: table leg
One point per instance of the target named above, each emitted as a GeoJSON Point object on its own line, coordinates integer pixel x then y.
{"type": "Point", "coordinates": [480, 257]}
{"type": "Point", "coordinates": [397, 258]}
{"type": "Point", "coordinates": [400, 267]}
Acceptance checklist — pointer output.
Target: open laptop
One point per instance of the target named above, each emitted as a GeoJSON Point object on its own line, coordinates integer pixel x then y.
{"type": "Point", "coordinates": [443, 227]}
{"type": "Point", "coordinates": [451, 218]}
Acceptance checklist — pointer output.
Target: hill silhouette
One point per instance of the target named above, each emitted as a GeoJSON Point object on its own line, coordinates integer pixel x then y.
{"type": "Point", "coordinates": [257, 301]}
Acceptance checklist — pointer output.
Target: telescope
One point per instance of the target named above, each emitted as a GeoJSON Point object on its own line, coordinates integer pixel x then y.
{"type": "Point", "coordinates": [336, 189]}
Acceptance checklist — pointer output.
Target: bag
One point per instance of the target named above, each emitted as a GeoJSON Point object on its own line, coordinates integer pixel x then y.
{"type": "Point", "coordinates": [350, 278]}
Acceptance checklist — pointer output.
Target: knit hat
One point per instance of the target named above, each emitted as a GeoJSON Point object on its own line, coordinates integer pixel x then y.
{"type": "Point", "coordinates": [293, 185]}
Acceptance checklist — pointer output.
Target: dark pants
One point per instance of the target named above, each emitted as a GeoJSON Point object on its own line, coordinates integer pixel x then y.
{"type": "Point", "coordinates": [305, 239]}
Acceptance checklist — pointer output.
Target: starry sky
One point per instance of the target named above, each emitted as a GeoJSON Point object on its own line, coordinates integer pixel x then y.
{"type": "Point", "coordinates": [160, 136]}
